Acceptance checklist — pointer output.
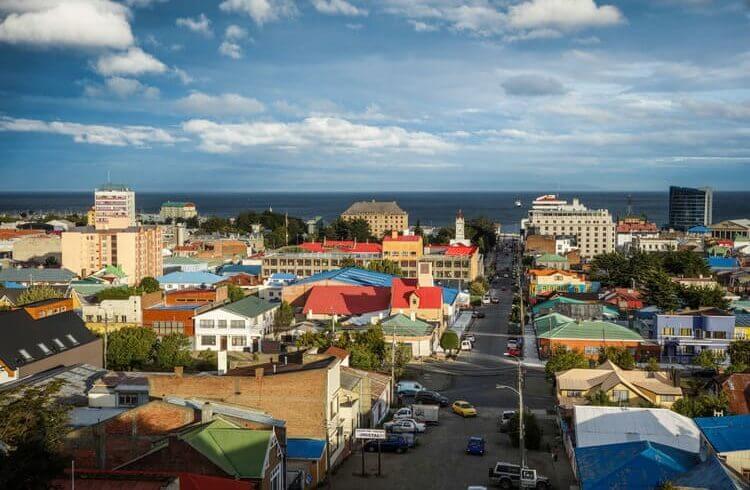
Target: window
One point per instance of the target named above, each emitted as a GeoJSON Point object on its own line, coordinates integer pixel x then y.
{"type": "Point", "coordinates": [208, 339]}
{"type": "Point", "coordinates": [667, 331]}
{"type": "Point", "coordinates": [239, 341]}
{"type": "Point", "coordinates": [71, 339]}
{"type": "Point", "coordinates": [44, 348]}
{"type": "Point", "coordinates": [686, 332]}
{"type": "Point", "coordinates": [207, 324]}
{"type": "Point", "coordinates": [221, 323]}
{"type": "Point", "coordinates": [127, 399]}
{"type": "Point", "coordinates": [25, 354]}
{"type": "Point", "coordinates": [591, 350]}
{"type": "Point", "coordinates": [237, 324]}
{"type": "Point", "coordinates": [575, 393]}
{"type": "Point", "coordinates": [667, 398]}
{"type": "Point", "coordinates": [620, 395]}
{"type": "Point", "coordinates": [59, 344]}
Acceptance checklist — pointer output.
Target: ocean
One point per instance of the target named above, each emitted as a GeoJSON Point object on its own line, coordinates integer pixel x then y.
{"type": "Point", "coordinates": [429, 208]}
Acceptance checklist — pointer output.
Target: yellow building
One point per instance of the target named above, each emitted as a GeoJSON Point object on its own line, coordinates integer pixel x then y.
{"type": "Point", "coordinates": [382, 217]}
{"type": "Point", "coordinates": [405, 250]}
{"type": "Point", "coordinates": [137, 250]}
{"type": "Point", "coordinates": [545, 280]}
{"type": "Point", "coordinates": [742, 326]}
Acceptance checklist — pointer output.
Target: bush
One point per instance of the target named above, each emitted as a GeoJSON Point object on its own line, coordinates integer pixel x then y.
{"type": "Point", "coordinates": [563, 359]}
{"type": "Point", "coordinates": [532, 431]}
{"type": "Point", "coordinates": [619, 356]}
{"type": "Point", "coordinates": [130, 348]}
{"type": "Point", "coordinates": [449, 341]}
{"type": "Point", "coordinates": [171, 351]}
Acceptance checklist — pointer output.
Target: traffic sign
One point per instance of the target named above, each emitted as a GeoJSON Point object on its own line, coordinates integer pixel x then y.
{"type": "Point", "coordinates": [370, 434]}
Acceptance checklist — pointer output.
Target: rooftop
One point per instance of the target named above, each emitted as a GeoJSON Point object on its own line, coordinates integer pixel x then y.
{"type": "Point", "coordinates": [726, 434]}
{"type": "Point", "coordinates": [346, 300]}
{"type": "Point", "coordinates": [591, 329]}
{"type": "Point", "coordinates": [404, 326]}
{"type": "Point", "coordinates": [29, 274]}
{"type": "Point", "coordinates": [403, 289]}
{"type": "Point", "coordinates": [189, 278]}
{"type": "Point", "coordinates": [374, 207]}
{"type": "Point", "coordinates": [302, 448]}
{"type": "Point", "coordinates": [249, 307]}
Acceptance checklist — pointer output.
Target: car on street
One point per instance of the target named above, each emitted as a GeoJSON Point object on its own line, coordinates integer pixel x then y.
{"type": "Point", "coordinates": [475, 446]}
{"type": "Point", "coordinates": [422, 413]}
{"type": "Point", "coordinates": [408, 388]}
{"type": "Point", "coordinates": [513, 351]}
{"type": "Point", "coordinates": [466, 345]}
{"type": "Point", "coordinates": [512, 343]}
{"type": "Point", "coordinates": [495, 300]}
{"type": "Point", "coordinates": [469, 336]}
{"type": "Point", "coordinates": [427, 397]}
{"type": "Point", "coordinates": [505, 276]}
{"type": "Point", "coordinates": [486, 299]}
{"type": "Point", "coordinates": [394, 443]}
{"type": "Point", "coordinates": [405, 425]}
{"type": "Point", "coordinates": [477, 314]}
{"type": "Point", "coordinates": [504, 419]}
{"type": "Point", "coordinates": [508, 475]}
{"type": "Point", "coordinates": [464, 408]}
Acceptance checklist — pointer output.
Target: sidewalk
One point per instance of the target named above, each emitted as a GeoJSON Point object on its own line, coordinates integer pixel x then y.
{"type": "Point", "coordinates": [530, 353]}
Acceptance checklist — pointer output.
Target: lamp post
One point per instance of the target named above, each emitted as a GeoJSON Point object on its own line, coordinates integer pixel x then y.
{"type": "Point", "coordinates": [519, 392]}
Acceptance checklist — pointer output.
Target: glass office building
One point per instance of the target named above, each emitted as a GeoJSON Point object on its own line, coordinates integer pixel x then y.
{"type": "Point", "coordinates": [690, 207]}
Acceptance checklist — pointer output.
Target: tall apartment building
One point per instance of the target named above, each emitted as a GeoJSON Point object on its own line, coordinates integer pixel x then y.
{"type": "Point", "coordinates": [114, 207]}
{"type": "Point", "coordinates": [136, 249]}
{"type": "Point", "coordinates": [593, 229]}
{"type": "Point", "coordinates": [690, 207]}
{"type": "Point", "coordinates": [382, 217]}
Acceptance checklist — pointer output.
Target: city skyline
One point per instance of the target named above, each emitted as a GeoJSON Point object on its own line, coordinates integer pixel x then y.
{"type": "Point", "coordinates": [339, 95]}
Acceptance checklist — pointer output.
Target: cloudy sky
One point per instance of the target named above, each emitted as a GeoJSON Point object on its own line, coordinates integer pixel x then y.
{"type": "Point", "coordinates": [247, 95]}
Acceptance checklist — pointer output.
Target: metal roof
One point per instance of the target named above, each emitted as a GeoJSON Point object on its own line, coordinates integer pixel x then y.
{"type": "Point", "coordinates": [726, 434]}
{"type": "Point", "coordinates": [591, 329]}
{"type": "Point", "coordinates": [36, 275]}
{"type": "Point", "coordinates": [189, 278]}
{"type": "Point", "coordinates": [302, 448]}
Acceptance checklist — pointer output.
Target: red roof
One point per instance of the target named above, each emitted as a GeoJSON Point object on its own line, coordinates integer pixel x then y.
{"type": "Point", "coordinates": [460, 250]}
{"type": "Point", "coordinates": [636, 226]}
{"type": "Point", "coordinates": [430, 297]}
{"type": "Point", "coordinates": [337, 352]}
{"type": "Point", "coordinates": [737, 389]}
{"type": "Point", "coordinates": [402, 238]}
{"type": "Point", "coordinates": [348, 246]}
{"type": "Point", "coordinates": [346, 300]}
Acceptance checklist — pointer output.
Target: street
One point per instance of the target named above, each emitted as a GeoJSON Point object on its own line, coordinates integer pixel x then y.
{"type": "Point", "coordinates": [439, 461]}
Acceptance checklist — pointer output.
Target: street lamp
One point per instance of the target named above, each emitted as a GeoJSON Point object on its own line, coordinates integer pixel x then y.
{"type": "Point", "coordinates": [518, 392]}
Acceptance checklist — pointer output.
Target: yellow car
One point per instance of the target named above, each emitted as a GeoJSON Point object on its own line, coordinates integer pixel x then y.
{"type": "Point", "coordinates": [464, 408]}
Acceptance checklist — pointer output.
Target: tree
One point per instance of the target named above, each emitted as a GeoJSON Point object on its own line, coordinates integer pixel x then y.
{"type": "Point", "coordinates": [215, 224]}
{"type": "Point", "coordinates": [652, 365]}
{"type": "Point", "coordinates": [385, 266]}
{"type": "Point", "coordinates": [50, 261]}
{"type": "Point", "coordinates": [121, 292]}
{"type": "Point", "coordinates": [171, 351]}
{"type": "Point", "coordinates": [348, 262]}
{"type": "Point", "coordinates": [283, 318]}
{"type": "Point", "coordinates": [235, 293]}
{"type": "Point", "coordinates": [33, 427]}
{"type": "Point", "coordinates": [660, 290]}
{"type": "Point", "coordinates": [476, 288]}
{"type": "Point", "coordinates": [563, 359]}
{"type": "Point", "coordinates": [418, 229]}
{"type": "Point", "coordinates": [701, 405]}
{"type": "Point", "coordinates": [449, 341]}
{"type": "Point", "coordinates": [618, 355]}
{"type": "Point", "coordinates": [481, 232]}
{"type": "Point", "coordinates": [739, 352]}
{"type": "Point", "coordinates": [599, 398]}
{"type": "Point", "coordinates": [321, 340]}
{"type": "Point", "coordinates": [444, 235]}
{"type": "Point", "coordinates": [709, 359]}
{"type": "Point", "coordinates": [36, 293]}
{"type": "Point", "coordinates": [697, 297]}
{"type": "Point", "coordinates": [192, 223]}
{"type": "Point", "coordinates": [149, 285]}
{"type": "Point", "coordinates": [359, 229]}
{"type": "Point", "coordinates": [130, 348]}
{"type": "Point", "coordinates": [403, 357]}
{"type": "Point", "coordinates": [532, 432]}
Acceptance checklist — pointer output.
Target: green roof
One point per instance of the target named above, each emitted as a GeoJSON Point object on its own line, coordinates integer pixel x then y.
{"type": "Point", "coordinates": [239, 452]}
{"type": "Point", "coordinates": [547, 322]}
{"type": "Point", "coordinates": [403, 325]}
{"type": "Point", "coordinates": [182, 261]}
{"type": "Point", "coordinates": [718, 250]}
{"type": "Point", "coordinates": [551, 258]}
{"type": "Point", "coordinates": [591, 329]}
{"type": "Point", "coordinates": [250, 306]}
{"type": "Point", "coordinates": [115, 270]}
{"type": "Point", "coordinates": [175, 204]}
{"type": "Point", "coordinates": [608, 309]}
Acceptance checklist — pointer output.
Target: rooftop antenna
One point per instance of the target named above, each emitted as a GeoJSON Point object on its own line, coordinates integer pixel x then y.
{"type": "Point", "coordinates": [630, 204]}
{"type": "Point", "coordinates": [109, 176]}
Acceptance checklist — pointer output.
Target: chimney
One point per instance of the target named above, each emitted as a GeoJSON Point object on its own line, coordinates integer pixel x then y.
{"type": "Point", "coordinates": [258, 373]}
{"type": "Point", "coordinates": [207, 413]}
{"type": "Point", "coordinates": [178, 371]}
{"type": "Point", "coordinates": [413, 316]}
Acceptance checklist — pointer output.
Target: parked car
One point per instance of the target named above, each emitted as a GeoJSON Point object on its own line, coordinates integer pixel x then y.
{"type": "Point", "coordinates": [495, 300]}
{"type": "Point", "coordinates": [512, 476]}
{"type": "Point", "coordinates": [405, 425]}
{"type": "Point", "coordinates": [464, 408]}
{"type": "Point", "coordinates": [475, 446]}
{"type": "Point", "coordinates": [469, 336]}
{"type": "Point", "coordinates": [428, 397]}
{"type": "Point", "coordinates": [427, 414]}
{"type": "Point", "coordinates": [513, 351]}
{"type": "Point", "coordinates": [477, 314]}
{"type": "Point", "coordinates": [394, 443]}
{"type": "Point", "coordinates": [466, 345]}
{"type": "Point", "coordinates": [408, 388]}
{"type": "Point", "coordinates": [486, 299]}
{"type": "Point", "coordinates": [504, 420]}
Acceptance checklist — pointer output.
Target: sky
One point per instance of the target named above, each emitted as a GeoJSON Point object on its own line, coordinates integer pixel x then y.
{"type": "Point", "coordinates": [359, 95]}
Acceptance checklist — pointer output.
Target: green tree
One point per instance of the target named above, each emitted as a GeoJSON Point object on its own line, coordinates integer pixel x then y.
{"type": "Point", "coordinates": [235, 293]}
{"type": "Point", "coordinates": [701, 405]}
{"type": "Point", "coordinates": [149, 285]}
{"type": "Point", "coordinates": [386, 266]}
{"type": "Point", "coordinates": [481, 232]}
{"type": "Point", "coordinates": [531, 430]}
{"type": "Point", "coordinates": [620, 356]}
{"type": "Point", "coordinates": [661, 290]}
{"type": "Point", "coordinates": [599, 398]}
{"type": "Point", "coordinates": [684, 263]}
{"type": "Point", "coordinates": [418, 229]}
{"type": "Point", "coordinates": [283, 318]}
{"type": "Point", "coordinates": [449, 341]}
{"type": "Point", "coordinates": [359, 229]}
{"type": "Point", "coordinates": [319, 340]}
{"type": "Point", "coordinates": [697, 297]}
{"type": "Point", "coordinates": [443, 235]}
{"type": "Point", "coordinates": [348, 262]}
{"type": "Point", "coordinates": [130, 348]}
{"type": "Point", "coordinates": [215, 224]}
{"type": "Point", "coordinates": [652, 365]}
{"type": "Point", "coordinates": [32, 427]}
{"type": "Point", "coordinates": [563, 359]}
{"type": "Point", "coordinates": [403, 357]}
{"type": "Point", "coordinates": [172, 350]}
{"type": "Point", "coordinates": [37, 293]}
{"type": "Point", "coordinates": [476, 288]}
{"type": "Point", "coordinates": [709, 359]}
{"type": "Point", "coordinates": [739, 352]}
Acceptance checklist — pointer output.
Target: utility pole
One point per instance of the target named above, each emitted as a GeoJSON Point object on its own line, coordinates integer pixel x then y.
{"type": "Point", "coordinates": [521, 433]}
{"type": "Point", "coordinates": [393, 364]}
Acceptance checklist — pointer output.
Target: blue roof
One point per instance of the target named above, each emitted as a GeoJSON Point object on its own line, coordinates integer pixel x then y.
{"type": "Point", "coordinates": [637, 465]}
{"type": "Point", "coordinates": [726, 434]}
{"type": "Point", "coordinates": [711, 474]}
{"type": "Point", "coordinates": [717, 262]}
{"type": "Point", "coordinates": [449, 295]}
{"type": "Point", "coordinates": [300, 448]}
{"type": "Point", "coordinates": [13, 285]}
{"type": "Point", "coordinates": [227, 270]}
{"type": "Point", "coordinates": [189, 278]}
{"type": "Point", "coordinates": [283, 276]}
{"type": "Point", "coordinates": [699, 229]}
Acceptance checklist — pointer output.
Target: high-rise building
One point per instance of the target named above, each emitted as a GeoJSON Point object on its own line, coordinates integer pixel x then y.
{"type": "Point", "coordinates": [593, 229]}
{"type": "Point", "coordinates": [114, 207]}
{"type": "Point", "coordinates": [382, 217]}
{"type": "Point", "coordinates": [690, 207]}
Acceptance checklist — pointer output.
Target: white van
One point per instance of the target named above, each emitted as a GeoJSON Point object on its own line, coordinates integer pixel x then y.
{"type": "Point", "coordinates": [408, 388]}
{"type": "Point", "coordinates": [466, 345]}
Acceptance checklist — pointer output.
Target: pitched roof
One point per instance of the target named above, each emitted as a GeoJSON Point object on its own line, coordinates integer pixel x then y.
{"type": "Point", "coordinates": [337, 352]}
{"type": "Point", "coordinates": [552, 272]}
{"type": "Point", "coordinates": [344, 246]}
{"type": "Point", "coordinates": [346, 300]}
{"type": "Point", "coordinates": [36, 275]}
{"type": "Point", "coordinates": [548, 322]}
{"type": "Point", "coordinates": [460, 250]}
{"type": "Point", "coordinates": [373, 207]}
{"type": "Point", "coordinates": [638, 464]}
{"type": "Point", "coordinates": [722, 262]}
{"type": "Point", "coordinates": [249, 307]}
{"type": "Point", "coordinates": [404, 326]}
{"type": "Point", "coordinates": [303, 448]}
{"type": "Point", "coordinates": [726, 434]}
{"type": "Point", "coordinates": [352, 275]}
{"type": "Point", "coordinates": [253, 270]}
{"type": "Point", "coordinates": [737, 389]}
{"type": "Point", "coordinates": [402, 238]}
{"type": "Point", "coordinates": [591, 329]}
{"type": "Point", "coordinates": [189, 278]}
{"type": "Point", "coordinates": [237, 451]}
{"type": "Point", "coordinates": [551, 258]}
{"type": "Point", "coordinates": [11, 293]}
{"type": "Point", "coordinates": [430, 297]}
{"type": "Point", "coordinates": [608, 375]}
{"type": "Point", "coordinates": [19, 330]}
{"type": "Point", "coordinates": [378, 381]}
{"type": "Point", "coordinates": [710, 474]}
{"type": "Point", "coordinates": [177, 260]}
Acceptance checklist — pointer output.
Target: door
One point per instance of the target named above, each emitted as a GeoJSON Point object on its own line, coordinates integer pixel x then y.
{"type": "Point", "coordinates": [223, 343]}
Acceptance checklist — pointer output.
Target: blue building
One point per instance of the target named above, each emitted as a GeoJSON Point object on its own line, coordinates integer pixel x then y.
{"type": "Point", "coordinates": [682, 336]}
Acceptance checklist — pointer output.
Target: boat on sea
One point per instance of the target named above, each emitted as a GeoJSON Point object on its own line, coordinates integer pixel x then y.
{"type": "Point", "coordinates": [518, 203]}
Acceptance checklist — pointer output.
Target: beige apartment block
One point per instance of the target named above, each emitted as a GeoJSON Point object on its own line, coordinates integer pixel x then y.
{"type": "Point", "coordinates": [382, 217]}
{"type": "Point", "coordinates": [137, 250]}
{"type": "Point", "coordinates": [114, 207]}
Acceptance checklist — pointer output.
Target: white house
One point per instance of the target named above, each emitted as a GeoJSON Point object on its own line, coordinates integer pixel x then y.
{"type": "Point", "coordinates": [188, 280]}
{"type": "Point", "coordinates": [234, 326]}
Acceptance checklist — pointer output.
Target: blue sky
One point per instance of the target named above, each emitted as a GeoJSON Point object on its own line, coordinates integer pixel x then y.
{"type": "Point", "coordinates": [246, 95]}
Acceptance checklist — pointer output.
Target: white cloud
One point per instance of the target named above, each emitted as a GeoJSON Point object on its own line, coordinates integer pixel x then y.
{"type": "Point", "coordinates": [235, 33]}
{"type": "Point", "coordinates": [200, 103]}
{"type": "Point", "coordinates": [139, 136]}
{"type": "Point", "coordinates": [332, 135]}
{"type": "Point", "coordinates": [132, 62]}
{"type": "Point", "coordinates": [143, 3]}
{"type": "Point", "coordinates": [231, 50]}
{"type": "Point", "coordinates": [184, 77]}
{"type": "Point", "coordinates": [420, 26]}
{"type": "Point", "coordinates": [121, 87]}
{"type": "Point", "coordinates": [721, 109]}
{"type": "Point", "coordinates": [66, 23]}
{"type": "Point", "coordinates": [200, 24]}
{"type": "Point", "coordinates": [338, 7]}
{"type": "Point", "coordinates": [261, 11]}
{"type": "Point", "coordinates": [566, 15]}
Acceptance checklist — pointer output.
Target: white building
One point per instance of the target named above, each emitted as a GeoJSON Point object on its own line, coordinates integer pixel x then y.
{"type": "Point", "coordinates": [654, 243]}
{"type": "Point", "coordinates": [235, 326]}
{"type": "Point", "coordinates": [114, 207]}
{"type": "Point", "coordinates": [593, 229]}
{"type": "Point", "coordinates": [188, 280]}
